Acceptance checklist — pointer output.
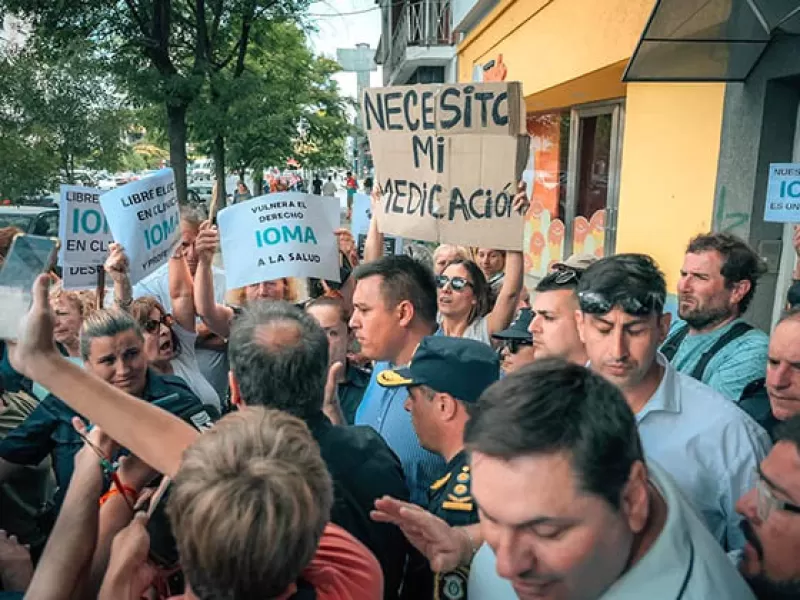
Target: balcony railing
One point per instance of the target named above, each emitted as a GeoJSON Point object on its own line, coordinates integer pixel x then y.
{"type": "Point", "coordinates": [421, 23]}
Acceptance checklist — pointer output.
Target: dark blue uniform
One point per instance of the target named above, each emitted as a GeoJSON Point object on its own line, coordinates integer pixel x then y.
{"type": "Point", "coordinates": [48, 429]}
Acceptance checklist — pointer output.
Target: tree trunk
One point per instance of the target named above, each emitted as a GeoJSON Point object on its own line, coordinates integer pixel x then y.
{"type": "Point", "coordinates": [258, 182]}
{"type": "Point", "coordinates": [218, 154]}
{"type": "Point", "coordinates": [177, 132]}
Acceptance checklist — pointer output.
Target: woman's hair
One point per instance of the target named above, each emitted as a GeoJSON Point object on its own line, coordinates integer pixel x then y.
{"type": "Point", "coordinates": [238, 296]}
{"type": "Point", "coordinates": [105, 323]}
{"type": "Point", "coordinates": [462, 252]}
{"type": "Point", "coordinates": [480, 288]}
{"type": "Point", "coordinates": [141, 309]}
{"type": "Point", "coordinates": [332, 302]}
{"type": "Point", "coordinates": [6, 237]}
{"type": "Point", "coordinates": [85, 300]}
{"type": "Point", "coordinates": [249, 505]}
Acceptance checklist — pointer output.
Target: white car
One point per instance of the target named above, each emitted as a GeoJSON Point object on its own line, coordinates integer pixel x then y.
{"type": "Point", "coordinates": [106, 184]}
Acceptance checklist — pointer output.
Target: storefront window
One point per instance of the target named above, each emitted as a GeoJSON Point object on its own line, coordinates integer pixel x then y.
{"type": "Point", "coordinates": [592, 185]}
{"type": "Point", "coordinates": [546, 178]}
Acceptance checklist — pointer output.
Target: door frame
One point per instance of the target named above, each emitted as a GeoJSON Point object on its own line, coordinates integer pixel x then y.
{"type": "Point", "coordinates": [615, 108]}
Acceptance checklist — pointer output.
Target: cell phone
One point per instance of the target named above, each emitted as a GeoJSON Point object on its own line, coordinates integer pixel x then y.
{"type": "Point", "coordinates": [28, 257]}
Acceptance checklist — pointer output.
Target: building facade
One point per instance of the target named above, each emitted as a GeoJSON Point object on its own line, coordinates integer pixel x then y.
{"type": "Point", "coordinates": [642, 166]}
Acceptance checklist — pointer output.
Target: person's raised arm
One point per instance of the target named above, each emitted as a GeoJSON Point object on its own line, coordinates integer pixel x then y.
{"type": "Point", "coordinates": [181, 291]}
{"type": "Point", "coordinates": [117, 268]}
{"type": "Point", "coordinates": [373, 245]}
{"type": "Point", "coordinates": [217, 317]}
{"type": "Point", "coordinates": [154, 435]}
{"type": "Point", "coordinates": [505, 306]}
{"type": "Point", "coordinates": [61, 572]}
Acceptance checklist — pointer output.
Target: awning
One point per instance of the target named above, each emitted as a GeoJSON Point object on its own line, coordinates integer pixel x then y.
{"type": "Point", "coordinates": [709, 40]}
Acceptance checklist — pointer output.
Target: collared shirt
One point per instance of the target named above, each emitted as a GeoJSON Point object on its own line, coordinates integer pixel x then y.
{"type": "Point", "coordinates": [684, 562]}
{"type": "Point", "coordinates": [363, 469]}
{"type": "Point", "coordinates": [739, 362]}
{"type": "Point", "coordinates": [351, 391]}
{"type": "Point", "coordinates": [48, 429]}
{"type": "Point", "coordinates": [382, 409]}
{"type": "Point", "coordinates": [709, 445]}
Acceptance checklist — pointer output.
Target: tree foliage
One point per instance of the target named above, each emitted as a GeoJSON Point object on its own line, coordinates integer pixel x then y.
{"type": "Point", "coordinates": [57, 112]}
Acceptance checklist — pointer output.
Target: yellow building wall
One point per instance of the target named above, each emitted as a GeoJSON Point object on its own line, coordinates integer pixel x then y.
{"type": "Point", "coordinates": [546, 43]}
{"type": "Point", "coordinates": [670, 154]}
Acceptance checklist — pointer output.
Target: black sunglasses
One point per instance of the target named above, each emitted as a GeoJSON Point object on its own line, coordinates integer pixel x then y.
{"type": "Point", "coordinates": [457, 283]}
{"type": "Point", "coordinates": [514, 345]}
{"type": "Point", "coordinates": [152, 325]}
{"type": "Point", "coordinates": [565, 276]}
{"type": "Point", "coordinates": [595, 303]}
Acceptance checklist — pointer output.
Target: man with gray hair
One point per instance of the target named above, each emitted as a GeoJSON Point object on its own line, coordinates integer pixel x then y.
{"type": "Point", "coordinates": [112, 349]}
{"type": "Point", "coordinates": [279, 359]}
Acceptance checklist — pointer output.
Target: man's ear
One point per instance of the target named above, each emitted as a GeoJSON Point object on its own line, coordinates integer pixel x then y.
{"type": "Point", "coordinates": [405, 313]}
{"type": "Point", "coordinates": [740, 290]}
{"type": "Point", "coordinates": [236, 392]}
{"type": "Point", "coordinates": [580, 323]}
{"type": "Point", "coordinates": [635, 502]}
{"type": "Point", "coordinates": [664, 322]}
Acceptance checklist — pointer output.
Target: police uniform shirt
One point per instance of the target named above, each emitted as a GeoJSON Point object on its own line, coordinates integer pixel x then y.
{"type": "Point", "coordinates": [48, 429]}
{"type": "Point", "coordinates": [451, 500]}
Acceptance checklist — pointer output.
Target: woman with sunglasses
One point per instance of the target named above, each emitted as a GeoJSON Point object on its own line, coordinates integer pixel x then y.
{"type": "Point", "coordinates": [217, 317]}
{"type": "Point", "coordinates": [169, 340]}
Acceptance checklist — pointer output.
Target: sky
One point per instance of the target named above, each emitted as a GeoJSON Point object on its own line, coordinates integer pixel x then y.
{"type": "Point", "coordinates": [341, 29]}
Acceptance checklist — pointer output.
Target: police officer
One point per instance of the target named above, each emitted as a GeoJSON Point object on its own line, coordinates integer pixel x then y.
{"type": "Point", "coordinates": [445, 377]}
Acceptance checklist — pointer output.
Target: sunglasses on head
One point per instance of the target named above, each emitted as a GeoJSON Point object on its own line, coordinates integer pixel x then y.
{"type": "Point", "coordinates": [566, 275]}
{"type": "Point", "coordinates": [457, 283]}
{"type": "Point", "coordinates": [595, 303]}
{"type": "Point", "coordinates": [152, 325]}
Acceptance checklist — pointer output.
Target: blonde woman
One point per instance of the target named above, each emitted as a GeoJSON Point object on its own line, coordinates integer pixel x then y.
{"type": "Point", "coordinates": [217, 317]}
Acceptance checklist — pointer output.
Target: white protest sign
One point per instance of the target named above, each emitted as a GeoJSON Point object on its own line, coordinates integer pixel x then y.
{"type": "Point", "coordinates": [145, 219]}
{"type": "Point", "coordinates": [83, 230]}
{"type": "Point", "coordinates": [287, 234]}
{"type": "Point", "coordinates": [82, 277]}
{"type": "Point", "coordinates": [359, 227]}
{"type": "Point", "coordinates": [448, 158]}
{"type": "Point", "coordinates": [783, 193]}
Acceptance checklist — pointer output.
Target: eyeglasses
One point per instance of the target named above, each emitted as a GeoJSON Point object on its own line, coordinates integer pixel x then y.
{"type": "Point", "coordinates": [565, 275]}
{"type": "Point", "coordinates": [457, 283]}
{"type": "Point", "coordinates": [152, 325]}
{"type": "Point", "coordinates": [766, 501]}
{"type": "Point", "coordinates": [595, 303]}
{"type": "Point", "coordinates": [515, 345]}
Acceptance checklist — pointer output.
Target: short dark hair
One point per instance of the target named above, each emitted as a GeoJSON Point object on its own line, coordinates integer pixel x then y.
{"type": "Point", "coordinates": [480, 287]}
{"type": "Point", "coordinates": [552, 406]}
{"type": "Point", "coordinates": [789, 431]}
{"type": "Point", "coordinates": [403, 278]}
{"type": "Point", "coordinates": [739, 261]}
{"type": "Point", "coordinates": [793, 295]}
{"type": "Point", "coordinates": [632, 282]}
{"type": "Point", "coordinates": [559, 280]}
{"type": "Point", "coordinates": [289, 373]}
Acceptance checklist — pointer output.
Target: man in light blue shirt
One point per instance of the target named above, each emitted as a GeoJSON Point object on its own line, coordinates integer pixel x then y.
{"type": "Point", "coordinates": [718, 281]}
{"type": "Point", "coordinates": [394, 307]}
{"type": "Point", "coordinates": [707, 444]}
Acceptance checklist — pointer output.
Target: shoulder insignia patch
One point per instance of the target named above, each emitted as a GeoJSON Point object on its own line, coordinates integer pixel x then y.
{"type": "Point", "coordinates": [462, 477]}
{"type": "Point", "coordinates": [460, 489]}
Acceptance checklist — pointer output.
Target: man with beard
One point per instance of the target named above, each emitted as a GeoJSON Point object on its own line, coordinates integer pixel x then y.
{"type": "Point", "coordinates": [714, 344]}
{"type": "Point", "coordinates": [771, 522]}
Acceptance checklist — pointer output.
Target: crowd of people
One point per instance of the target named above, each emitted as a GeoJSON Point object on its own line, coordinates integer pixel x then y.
{"type": "Point", "coordinates": [415, 431]}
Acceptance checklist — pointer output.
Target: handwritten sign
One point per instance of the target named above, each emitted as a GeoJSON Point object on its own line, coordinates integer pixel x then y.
{"type": "Point", "coordinates": [83, 229]}
{"type": "Point", "coordinates": [279, 235]}
{"type": "Point", "coordinates": [359, 227]}
{"type": "Point", "coordinates": [144, 217]}
{"type": "Point", "coordinates": [783, 193]}
{"type": "Point", "coordinates": [448, 159]}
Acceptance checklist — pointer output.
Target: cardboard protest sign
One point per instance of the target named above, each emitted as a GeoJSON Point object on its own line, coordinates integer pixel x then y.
{"type": "Point", "coordinates": [144, 217]}
{"type": "Point", "coordinates": [448, 158]}
{"type": "Point", "coordinates": [783, 193]}
{"type": "Point", "coordinates": [83, 229]}
{"type": "Point", "coordinates": [359, 227]}
{"type": "Point", "coordinates": [287, 234]}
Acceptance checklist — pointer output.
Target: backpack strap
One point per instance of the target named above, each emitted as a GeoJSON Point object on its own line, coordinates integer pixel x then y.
{"type": "Point", "coordinates": [674, 341]}
{"type": "Point", "coordinates": [738, 330]}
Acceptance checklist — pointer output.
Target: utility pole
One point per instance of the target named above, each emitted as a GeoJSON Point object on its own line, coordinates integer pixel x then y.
{"type": "Point", "coordinates": [361, 61]}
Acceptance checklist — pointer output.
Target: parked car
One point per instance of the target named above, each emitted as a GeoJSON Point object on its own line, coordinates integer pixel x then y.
{"type": "Point", "coordinates": [36, 220]}
{"type": "Point", "coordinates": [204, 189]}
